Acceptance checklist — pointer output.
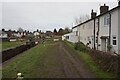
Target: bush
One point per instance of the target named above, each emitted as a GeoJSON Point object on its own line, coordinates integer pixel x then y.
{"type": "Point", "coordinates": [109, 47]}
{"type": "Point", "coordinates": [80, 46]}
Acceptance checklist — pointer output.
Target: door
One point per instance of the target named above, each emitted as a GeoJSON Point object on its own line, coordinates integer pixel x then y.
{"type": "Point", "coordinates": [103, 45]}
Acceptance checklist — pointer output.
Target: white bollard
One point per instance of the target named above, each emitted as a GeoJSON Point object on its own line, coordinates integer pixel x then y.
{"type": "Point", "coordinates": [19, 76]}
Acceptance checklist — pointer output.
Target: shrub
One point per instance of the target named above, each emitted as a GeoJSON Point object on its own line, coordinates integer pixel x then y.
{"type": "Point", "coordinates": [80, 46]}
{"type": "Point", "coordinates": [109, 47]}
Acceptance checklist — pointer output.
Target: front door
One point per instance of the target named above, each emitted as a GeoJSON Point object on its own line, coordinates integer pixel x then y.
{"type": "Point", "coordinates": [103, 45]}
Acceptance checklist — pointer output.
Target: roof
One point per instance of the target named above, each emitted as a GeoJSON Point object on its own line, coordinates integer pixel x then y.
{"type": "Point", "coordinates": [2, 32]}
{"type": "Point", "coordinates": [97, 16]}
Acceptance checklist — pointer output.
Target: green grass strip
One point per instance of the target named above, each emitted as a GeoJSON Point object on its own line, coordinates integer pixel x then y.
{"type": "Point", "coordinates": [6, 45]}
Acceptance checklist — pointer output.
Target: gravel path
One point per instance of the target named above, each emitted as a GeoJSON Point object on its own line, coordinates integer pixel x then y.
{"type": "Point", "coordinates": [72, 66]}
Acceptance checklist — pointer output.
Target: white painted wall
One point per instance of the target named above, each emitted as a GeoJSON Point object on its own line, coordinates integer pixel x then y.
{"type": "Point", "coordinates": [36, 33]}
{"type": "Point", "coordinates": [72, 36]}
{"type": "Point", "coordinates": [114, 29]}
{"type": "Point", "coordinates": [104, 30]}
{"type": "Point", "coordinates": [119, 30]}
{"type": "Point", "coordinates": [3, 35]}
{"type": "Point", "coordinates": [86, 31]}
{"type": "Point", "coordinates": [19, 34]}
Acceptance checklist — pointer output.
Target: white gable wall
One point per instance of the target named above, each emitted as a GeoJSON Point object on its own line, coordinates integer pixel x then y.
{"type": "Point", "coordinates": [114, 29]}
{"type": "Point", "coordinates": [73, 37]}
{"type": "Point", "coordinates": [119, 31]}
{"type": "Point", "coordinates": [86, 33]}
{"type": "Point", "coordinates": [3, 35]}
{"type": "Point", "coordinates": [104, 30]}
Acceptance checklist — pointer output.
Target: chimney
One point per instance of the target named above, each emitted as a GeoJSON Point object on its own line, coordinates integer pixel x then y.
{"type": "Point", "coordinates": [104, 9]}
{"type": "Point", "coordinates": [93, 14]}
{"type": "Point", "coordinates": [3, 29]}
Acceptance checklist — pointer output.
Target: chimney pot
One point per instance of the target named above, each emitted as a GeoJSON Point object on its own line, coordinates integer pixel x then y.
{"type": "Point", "coordinates": [104, 4]}
{"type": "Point", "coordinates": [92, 10]}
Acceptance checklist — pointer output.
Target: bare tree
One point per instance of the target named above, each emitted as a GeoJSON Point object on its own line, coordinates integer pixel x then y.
{"type": "Point", "coordinates": [67, 30]}
{"type": "Point", "coordinates": [20, 30]}
{"type": "Point", "coordinates": [81, 18]}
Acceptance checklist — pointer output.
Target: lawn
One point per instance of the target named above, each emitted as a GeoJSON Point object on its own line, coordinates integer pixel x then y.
{"type": "Point", "coordinates": [27, 62]}
{"type": "Point", "coordinates": [90, 63]}
{"type": "Point", "coordinates": [6, 45]}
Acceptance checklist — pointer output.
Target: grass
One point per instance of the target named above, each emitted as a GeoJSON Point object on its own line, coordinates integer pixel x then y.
{"type": "Point", "coordinates": [6, 45]}
{"type": "Point", "coordinates": [27, 63]}
{"type": "Point", "coordinates": [90, 63]}
{"type": "Point", "coordinates": [49, 41]}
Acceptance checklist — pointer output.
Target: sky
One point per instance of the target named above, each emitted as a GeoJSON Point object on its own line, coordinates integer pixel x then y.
{"type": "Point", "coordinates": [33, 15]}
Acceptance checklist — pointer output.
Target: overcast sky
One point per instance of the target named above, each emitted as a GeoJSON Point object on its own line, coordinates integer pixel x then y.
{"type": "Point", "coordinates": [45, 15]}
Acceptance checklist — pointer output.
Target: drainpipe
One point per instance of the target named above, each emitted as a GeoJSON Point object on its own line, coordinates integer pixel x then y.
{"type": "Point", "coordinates": [94, 34]}
{"type": "Point", "coordinates": [109, 30]}
{"type": "Point", "coordinates": [98, 33]}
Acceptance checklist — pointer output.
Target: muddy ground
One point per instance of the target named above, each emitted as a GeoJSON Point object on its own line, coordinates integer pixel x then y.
{"type": "Point", "coordinates": [63, 63]}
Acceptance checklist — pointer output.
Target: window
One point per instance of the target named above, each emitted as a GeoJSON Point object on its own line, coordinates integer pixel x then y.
{"type": "Point", "coordinates": [106, 20]}
{"type": "Point", "coordinates": [114, 40]}
{"type": "Point", "coordinates": [67, 37]}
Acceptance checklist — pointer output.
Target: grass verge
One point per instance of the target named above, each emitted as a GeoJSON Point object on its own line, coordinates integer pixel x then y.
{"type": "Point", "coordinates": [90, 63]}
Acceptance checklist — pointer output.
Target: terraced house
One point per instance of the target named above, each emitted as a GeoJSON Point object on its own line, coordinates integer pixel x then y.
{"type": "Point", "coordinates": [101, 32]}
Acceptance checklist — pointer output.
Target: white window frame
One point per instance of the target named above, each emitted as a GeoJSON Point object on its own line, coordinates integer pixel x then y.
{"type": "Point", "coordinates": [114, 39]}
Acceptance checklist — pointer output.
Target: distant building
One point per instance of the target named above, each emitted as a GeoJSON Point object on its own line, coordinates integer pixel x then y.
{"type": "Point", "coordinates": [72, 37]}
{"type": "Point", "coordinates": [3, 36]}
{"type": "Point", "coordinates": [36, 33]}
{"type": "Point", "coordinates": [13, 35]}
{"type": "Point", "coordinates": [49, 34]}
